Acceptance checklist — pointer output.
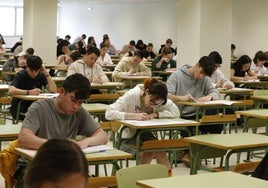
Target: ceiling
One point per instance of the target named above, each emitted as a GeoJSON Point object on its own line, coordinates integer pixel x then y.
{"type": "Point", "coordinates": [84, 2]}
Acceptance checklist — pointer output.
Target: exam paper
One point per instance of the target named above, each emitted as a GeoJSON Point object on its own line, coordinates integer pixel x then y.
{"type": "Point", "coordinates": [96, 149]}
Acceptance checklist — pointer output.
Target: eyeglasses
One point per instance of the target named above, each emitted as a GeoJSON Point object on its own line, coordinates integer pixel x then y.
{"type": "Point", "coordinates": [156, 104]}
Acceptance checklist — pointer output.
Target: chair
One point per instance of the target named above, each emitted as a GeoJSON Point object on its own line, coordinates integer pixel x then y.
{"type": "Point", "coordinates": [97, 182]}
{"type": "Point", "coordinates": [246, 168]}
{"type": "Point", "coordinates": [104, 98]}
{"type": "Point", "coordinates": [127, 177]}
{"type": "Point", "coordinates": [5, 101]}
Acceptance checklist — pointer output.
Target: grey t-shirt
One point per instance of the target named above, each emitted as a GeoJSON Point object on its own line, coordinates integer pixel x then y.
{"type": "Point", "coordinates": [46, 122]}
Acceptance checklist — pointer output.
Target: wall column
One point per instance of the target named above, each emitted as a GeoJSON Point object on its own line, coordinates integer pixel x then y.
{"type": "Point", "coordinates": [204, 26]}
{"type": "Point", "coordinates": [39, 29]}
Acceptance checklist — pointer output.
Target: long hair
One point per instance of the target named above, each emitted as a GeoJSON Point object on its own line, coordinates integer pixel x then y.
{"type": "Point", "coordinates": [55, 160]}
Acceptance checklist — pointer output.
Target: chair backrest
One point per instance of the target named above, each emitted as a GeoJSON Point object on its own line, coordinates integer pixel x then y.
{"type": "Point", "coordinates": [109, 98]}
{"type": "Point", "coordinates": [97, 182]}
{"type": "Point", "coordinates": [127, 177]}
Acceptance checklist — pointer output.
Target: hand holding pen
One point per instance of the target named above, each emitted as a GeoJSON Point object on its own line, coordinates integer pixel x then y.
{"type": "Point", "coordinates": [35, 91]}
{"type": "Point", "coordinates": [142, 116]}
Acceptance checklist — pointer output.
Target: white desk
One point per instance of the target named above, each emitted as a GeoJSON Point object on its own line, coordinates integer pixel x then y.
{"type": "Point", "coordinates": [210, 180]}
{"type": "Point", "coordinates": [109, 156]}
{"type": "Point", "coordinates": [9, 132]}
{"type": "Point", "coordinates": [171, 124]}
{"type": "Point", "coordinates": [217, 145]}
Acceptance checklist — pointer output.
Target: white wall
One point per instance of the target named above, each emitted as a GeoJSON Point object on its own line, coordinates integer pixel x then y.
{"type": "Point", "coordinates": [188, 31]}
{"type": "Point", "coordinates": [155, 22]}
{"type": "Point", "coordinates": [250, 26]}
{"type": "Point", "coordinates": [151, 22]}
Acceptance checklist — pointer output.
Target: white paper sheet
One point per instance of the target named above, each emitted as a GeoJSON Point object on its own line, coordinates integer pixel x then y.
{"type": "Point", "coordinates": [157, 122]}
{"type": "Point", "coordinates": [96, 149]}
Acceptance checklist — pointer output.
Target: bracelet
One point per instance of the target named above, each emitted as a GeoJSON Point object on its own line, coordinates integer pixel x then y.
{"type": "Point", "coordinates": [28, 92]}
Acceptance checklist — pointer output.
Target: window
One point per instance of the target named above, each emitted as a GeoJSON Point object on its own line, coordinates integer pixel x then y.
{"type": "Point", "coordinates": [11, 21]}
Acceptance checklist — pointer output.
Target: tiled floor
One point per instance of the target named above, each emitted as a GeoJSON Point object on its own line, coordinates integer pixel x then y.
{"type": "Point", "coordinates": [180, 170]}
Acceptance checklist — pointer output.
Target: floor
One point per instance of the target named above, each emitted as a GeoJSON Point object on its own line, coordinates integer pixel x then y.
{"type": "Point", "coordinates": [180, 170]}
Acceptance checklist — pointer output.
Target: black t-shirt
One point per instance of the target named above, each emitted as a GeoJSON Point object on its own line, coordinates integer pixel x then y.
{"type": "Point", "coordinates": [23, 81]}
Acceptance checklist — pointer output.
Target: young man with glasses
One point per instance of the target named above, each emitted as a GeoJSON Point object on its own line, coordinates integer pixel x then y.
{"type": "Point", "coordinates": [144, 102]}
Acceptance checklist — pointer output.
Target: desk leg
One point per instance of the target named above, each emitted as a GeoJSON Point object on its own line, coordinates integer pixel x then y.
{"type": "Point", "coordinates": [138, 146]}
{"type": "Point", "coordinates": [16, 121]}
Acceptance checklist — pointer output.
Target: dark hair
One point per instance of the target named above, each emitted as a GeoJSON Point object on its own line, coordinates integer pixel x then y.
{"type": "Point", "coordinates": [56, 159]}
{"type": "Point", "coordinates": [132, 42]}
{"type": "Point", "coordinates": [103, 45]}
{"type": "Point", "coordinates": [260, 55]}
{"type": "Point", "coordinates": [80, 44]}
{"type": "Point", "coordinates": [84, 36]}
{"type": "Point", "coordinates": [2, 41]}
{"type": "Point", "coordinates": [60, 45]}
{"type": "Point", "coordinates": [244, 59]}
{"type": "Point", "coordinates": [207, 64]}
{"type": "Point", "coordinates": [75, 55]}
{"type": "Point", "coordinates": [59, 40]}
{"type": "Point", "coordinates": [93, 50]}
{"type": "Point", "coordinates": [150, 44]}
{"type": "Point", "coordinates": [130, 53]}
{"type": "Point", "coordinates": [105, 36]}
{"type": "Point", "coordinates": [30, 51]}
{"type": "Point", "coordinates": [79, 84]}
{"type": "Point", "coordinates": [89, 41]}
{"type": "Point", "coordinates": [139, 42]}
{"type": "Point", "coordinates": [156, 88]}
{"type": "Point", "coordinates": [233, 46]}
{"type": "Point", "coordinates": [34, 62]}
{"type": "Point", "coordinates": [169, 41]}
{"type": "Point", "coordinates": [216, 56]}
{"type": "Point", "coordinates": [166, 51]}
{"type": "Point", "coordinates": [138, 53]}
{"type": "Point", "coordinates": [67, 36]}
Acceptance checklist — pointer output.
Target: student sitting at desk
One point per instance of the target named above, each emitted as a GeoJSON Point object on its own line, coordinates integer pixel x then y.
{"type": "Point", "coordinates": [193, 83]}
{"type": "Point", "coordinates": [104, 58]}
{"type": "Point", "coordinates": [49, 167]}
{"type": "Point", "coordinates": [64, 61]}
{"type": "Point", "coordinates": [148, 53]}
{"type": "Point", "coordinates": [87, 67]}
{"type": "Point", "coordinates": [145, 101]}
{"type": "Point", "coordinates": [30, 82]}
{"type": "Point", "coordinates": [164, 61]}
{"type": "Point", "coordinates": [217, 76]}
{"type": "Point", "coordinates": [258, 63]}
{"type": "Point", "coordinates": [131, 66]}
{"type": "Point", "coordinates": [128, 47]}
{"type": "Point", "coordinates": [13, 63]}
{"type": "Point", "coordinates": [240, 70]}
{"type": "Point", "coordinates": [61, 117]}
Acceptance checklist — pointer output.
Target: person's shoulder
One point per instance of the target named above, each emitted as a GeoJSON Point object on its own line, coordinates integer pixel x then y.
{"type": "Point", "coordinates": [41, 105]}
{"type": "Point", "coordinates": [21, 73]}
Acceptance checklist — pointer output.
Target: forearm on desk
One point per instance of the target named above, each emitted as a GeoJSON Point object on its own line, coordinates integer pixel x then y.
{"type": "Point", "coordinates": [27, 139]}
